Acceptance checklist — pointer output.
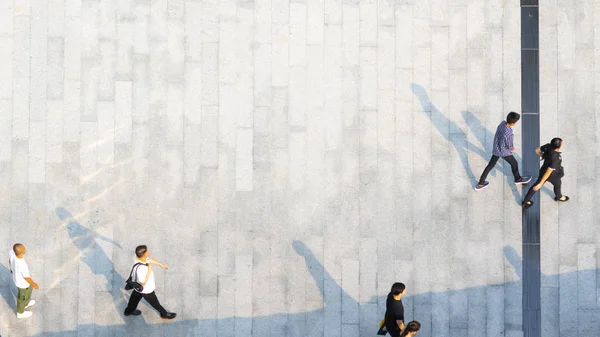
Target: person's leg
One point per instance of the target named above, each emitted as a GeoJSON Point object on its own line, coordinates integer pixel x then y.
{"type": "Point", "coordinates": [557, 183]}
{"type": "Point", "coordinates": [153, 301]}
{"type": "Point", "coordinates": [23, 297]}
{"type": "Point", "coordinates": [531, 192]}
{"type": "Point", "coordinates": [488, 168]}
{"type": "Point", "coordinates": [134, 300]}
{"type": "Point", "coordinates": [514, 166]}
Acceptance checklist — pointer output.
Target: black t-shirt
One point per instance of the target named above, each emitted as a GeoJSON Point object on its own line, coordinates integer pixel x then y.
{"type": "Point", "coordinates": [553, 160]}
{"type": "Point", "coordinates": [394, 311]}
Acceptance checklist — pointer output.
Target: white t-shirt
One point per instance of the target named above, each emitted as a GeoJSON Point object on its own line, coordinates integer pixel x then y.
{"type": "Point", "coordinates": [20, 270]}
{"type": "Point", "coordinates": [141, 272]}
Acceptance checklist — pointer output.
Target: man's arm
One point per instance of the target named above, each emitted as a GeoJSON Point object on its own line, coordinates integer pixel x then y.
{"type": "Point", "coordinates": [400, 324]}
{"type": "Point", "coordinates": [30, 281]}
{"type": "Point", "coordinates": [152, 261]}
{"type": "Point", "coordinates": [509, 143]}
{"type": "Point", "coordinates": [544, 178]}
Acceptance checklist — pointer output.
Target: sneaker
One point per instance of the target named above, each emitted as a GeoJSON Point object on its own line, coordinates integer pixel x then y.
{"type": "Point", "coordinates": [25, 314]}
{"type": "Point", "coordinates": [523, 180]}
{"type": "Point", "coordinates": [479, 187]}
{"type": "Point", "coordinates": [31, 304]}
{"type": "Point", "coordinates": [169, 315]}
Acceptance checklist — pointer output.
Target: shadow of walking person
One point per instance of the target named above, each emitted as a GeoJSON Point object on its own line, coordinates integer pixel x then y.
{"type": "Point", "coordinates": [452, 132]}
{"type": "Point", "coordinates": [94, 256]}
{"type": "Point", "coordinates": [7, 289]}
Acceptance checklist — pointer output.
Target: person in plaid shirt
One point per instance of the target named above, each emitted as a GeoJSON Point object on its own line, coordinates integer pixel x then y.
{"type": "Point", "coordinates": [503, 148]}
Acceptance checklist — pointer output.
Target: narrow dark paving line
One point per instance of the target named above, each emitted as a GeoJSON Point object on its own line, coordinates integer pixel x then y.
{"type": "Point", "coordinates": [530, 97]}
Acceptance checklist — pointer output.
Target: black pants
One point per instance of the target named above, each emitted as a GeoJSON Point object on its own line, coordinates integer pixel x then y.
{"type": "Point", "coordinates": [393, 331]}
{"type": "Point", "coordinates": [554, 179]}
{"type": "Point", "coordinates": [509, 159]}
{"type": "Point", "coordinates": [151, 298]}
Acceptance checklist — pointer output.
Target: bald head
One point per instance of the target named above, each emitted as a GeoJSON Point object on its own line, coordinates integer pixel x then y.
{"type": "Point", "coordinates": [19, 249]}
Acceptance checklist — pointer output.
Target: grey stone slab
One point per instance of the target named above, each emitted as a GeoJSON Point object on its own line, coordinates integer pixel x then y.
{"type": "Point", "coordinates": [586, 278]}
{"type": "Point", "coordinates": [5, 130]}
{"type": "Point", "coordinates": [368, 78]}
{"type": "Point", "coordinates": [298, 34]}
{"type": "Point", "coordinates": [317, 13]}
{"type": "Point", "coordinates": [6, 70]}
{"type": "Point", "coordinates": [37, 152]}
{"type": "Point", "coordinates": [297, 94]}
{"type": "Point", "coordinates": [368, 24]}
{"type": "Point", "coordinates": [54, 132]}
{"type": "Point", "coordinates": [550, 311]}
{"type": "Point", "coordinates": [280, 54]}
{"type": "Point", "coordinates": [262, 75]}
{"type": "Point", "coordinates": [6, 13]}
{"type": "Point", "coordinates": [386, 58]}
{"type": "Point", "coordinates": [244, 160]}
{"type": "Point", "coordinates": [568, 299]}
{"type": "Point", "coordinates": [350, 35]}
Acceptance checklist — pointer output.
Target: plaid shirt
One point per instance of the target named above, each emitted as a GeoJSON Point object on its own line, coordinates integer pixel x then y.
{"type": "Point", "coordinates": [503, 141]}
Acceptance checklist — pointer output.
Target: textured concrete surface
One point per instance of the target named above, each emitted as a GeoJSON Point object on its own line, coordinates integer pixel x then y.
{"type": "Point", "coordinates": [289, 160]}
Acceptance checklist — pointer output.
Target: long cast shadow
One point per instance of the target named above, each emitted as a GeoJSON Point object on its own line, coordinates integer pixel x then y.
{"type": "Point", "coordinates": [93, 255]}
{"type": "Point", "coordinates": [7, 288]}
{"type": "Point", "coordinates": [443, 307]}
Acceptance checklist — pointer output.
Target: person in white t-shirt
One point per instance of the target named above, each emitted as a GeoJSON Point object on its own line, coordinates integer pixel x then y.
{"type": "Point", "coordinates": [22, 279]}
{"type": "Point", "coordinates": [143, 274]}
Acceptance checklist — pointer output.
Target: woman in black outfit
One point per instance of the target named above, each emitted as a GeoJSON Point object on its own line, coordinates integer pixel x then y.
{"type": "Point", "coordinates": [551, 171]}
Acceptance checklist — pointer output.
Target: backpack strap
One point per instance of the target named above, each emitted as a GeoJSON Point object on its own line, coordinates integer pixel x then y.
{"type": "Point", "coordinates": [134, 266]}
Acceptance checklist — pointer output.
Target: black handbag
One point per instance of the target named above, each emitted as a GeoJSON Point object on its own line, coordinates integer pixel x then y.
{"type": "Point", "coordinates": [130, 283]}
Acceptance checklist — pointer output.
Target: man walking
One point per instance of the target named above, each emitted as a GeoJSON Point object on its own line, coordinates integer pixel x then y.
{"type": "Point", "coordinates": [503, 148]}
{"type": "Point", "coordinates": [551, 171]}
{"type": "Point", "coordinates": [25, 285]}
{"type": "Point", "coordinates": [145, 276]}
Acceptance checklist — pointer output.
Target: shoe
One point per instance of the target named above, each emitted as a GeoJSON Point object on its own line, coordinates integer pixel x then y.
{"type": "Point", "coordinates": [527, 205]}
{"type": "Point", "coordinates": [566, 199]}
{"type": "Point", "coordinates": [31, 304]}
{"type": "Point", "coordinates": [133, 313]}
{"type": "Point", "coordinates": [523, 180]}
{"type": "Point", "coordinates": [479, 187]}
{"type": "Point", "coordinates": [25, 314]}
{"type": "Point", "coordinates": [169, 315]}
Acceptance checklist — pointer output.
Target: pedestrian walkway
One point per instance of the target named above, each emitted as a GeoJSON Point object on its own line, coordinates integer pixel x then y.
{"type": "Point", "coordinates": [290, 160]}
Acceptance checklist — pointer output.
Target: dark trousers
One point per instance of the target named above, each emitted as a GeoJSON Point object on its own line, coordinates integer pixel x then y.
{"type": "Point", "coordinates": [509, 159]}
{"type": "Point", "coordinates": [554, 179]}
{"type": "Point", "coordinates": [151, 298]}
{"type": "Point", "coordinates": [394, 333]}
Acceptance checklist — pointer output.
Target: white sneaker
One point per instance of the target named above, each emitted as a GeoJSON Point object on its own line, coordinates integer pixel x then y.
{"type": "Point", "coordinates": [31, 304]}
{"type": "Point", "coordinates": [25, 314]}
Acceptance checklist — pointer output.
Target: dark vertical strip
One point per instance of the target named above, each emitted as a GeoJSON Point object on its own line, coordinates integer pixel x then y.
{"type": "Point", "coordinates": [530, 104]}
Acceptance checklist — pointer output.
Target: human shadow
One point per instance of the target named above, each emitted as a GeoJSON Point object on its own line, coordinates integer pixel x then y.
{"type": "Point", "coordinates": [434, 309]}
{"type": "Point", "coordinates": [449, 130]}
{"type": "Point", "coordinates": [7, 288]}
{"type": "Point", "coordinates": [92, 254]}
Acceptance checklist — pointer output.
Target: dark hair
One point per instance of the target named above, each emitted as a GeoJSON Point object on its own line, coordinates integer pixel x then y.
{"type": "Point", "coordinates": [398, 288]}
{"type": "Point", "coordinates": [555, 143]}
{"type": "Point", "coordinates": [412, 326]}
{"type": "Point", "coordinates": [140, 250]}
{"type": "Point", "coordinates": [512, 117]}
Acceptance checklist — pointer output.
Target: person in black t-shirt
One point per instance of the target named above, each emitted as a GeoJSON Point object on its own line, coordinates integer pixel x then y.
{"type": "Point", "coordinates": [394, 310]}
{"type": "Point", "coordinates": [551, 171]}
